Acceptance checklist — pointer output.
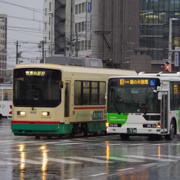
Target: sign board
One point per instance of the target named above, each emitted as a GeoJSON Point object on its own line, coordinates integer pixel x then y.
{"type": "Point", "coordinates": [176, 59]}
{"type": "Point", "coordinates": [89, 7]}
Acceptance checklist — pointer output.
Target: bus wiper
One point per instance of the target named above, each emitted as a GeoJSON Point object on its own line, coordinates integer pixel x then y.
{"type": "Point", "coordinates": [146, 109]}
{"type": "Point", "coordinates": [117, 110]}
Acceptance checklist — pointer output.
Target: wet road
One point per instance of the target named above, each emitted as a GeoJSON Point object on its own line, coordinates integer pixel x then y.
{"type": "Point", "coordinates": [81, 158]}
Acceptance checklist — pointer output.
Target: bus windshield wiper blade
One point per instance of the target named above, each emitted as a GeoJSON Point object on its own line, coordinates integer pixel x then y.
{"type": "Point", "coordinates": [117, 110]}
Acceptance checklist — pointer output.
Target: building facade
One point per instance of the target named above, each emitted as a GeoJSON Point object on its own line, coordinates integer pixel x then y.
{"type": "Point", "coordinates": [154, 28]}
{"type": "Point", "coordinates": [67, 27]}
{"type": "Point", "coordinates": [116, 33]}
{"type": "Point", "coordinates": [58, 27]}
{"type": "Point", "coordinates": [83, 26]}
{"type": "Point", "coordinates": [3, 46]}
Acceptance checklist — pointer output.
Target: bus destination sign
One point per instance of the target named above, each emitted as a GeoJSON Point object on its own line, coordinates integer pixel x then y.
{"type": "Point", "coordinates": [129, 82]}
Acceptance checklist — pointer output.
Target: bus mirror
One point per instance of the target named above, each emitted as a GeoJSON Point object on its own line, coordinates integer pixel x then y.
{"type": "Point", "coordinates": [155, 91]}
{"type": "Point", "coordinates": [60, 84]}
{"type": "Point", "coordinates": [160, 96]}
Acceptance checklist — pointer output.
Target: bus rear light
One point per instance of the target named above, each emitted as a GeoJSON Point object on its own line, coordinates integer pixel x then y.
{"type": "Point", "coordinates": [45, 114]}
{"type": "Point", "coordinates": [159, 125]}
{"type": "Point", "coordinates": [21, 113]}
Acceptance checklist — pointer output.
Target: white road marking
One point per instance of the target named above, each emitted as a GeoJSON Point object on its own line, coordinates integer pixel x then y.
{"type": "Point", "coordinates": [64, 161]}
{"type": "Point", "coordinates": [150, 158]}
{"type": "Point", "coordinates": [25, 161]}
{"type": "Point", "coordinates": [7, 163]}
{"type": "Point", "coordinates": [89, 160]}
{"type": "Point", "coordinates": [168, 156]}
{"type": "Point", "coordinates": [125, 159]}
{"type": "Point", "coordinates": [67, 144]}
{"type": "Point", "coordinates": [127, 169]}
{"type": "Point", "coordinates": [100, 174]}
{"type": "Point", "coordinates": [150, 165]}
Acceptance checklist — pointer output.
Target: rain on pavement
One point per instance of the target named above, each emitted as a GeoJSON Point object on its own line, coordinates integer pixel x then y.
{"type": "Point", "coordinates": [94, 157]}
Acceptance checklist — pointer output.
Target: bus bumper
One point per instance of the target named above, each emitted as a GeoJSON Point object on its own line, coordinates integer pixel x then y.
{"type": "Point", "coordinates": [40, 129]}
{"type": "Point", "coordinates": [133, 131]}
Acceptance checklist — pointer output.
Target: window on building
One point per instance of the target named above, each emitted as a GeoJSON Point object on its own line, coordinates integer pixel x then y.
{"type": "Point", "coordinates": [49, 21]}
{"type": "Point", "coordinates": [0, 95]}
{"type": "Point", "coordinates": [83, 26]}
{"type": "Point", "coordinates": [83, 7]}
{"type": "Point", "coordinates": [49, 6]}
{"type": "Point", "coordinates": [45, 11]}
{"type": "Point", "coordinates": [82, 45]}
{"type": "Point", "coordinates": [76, 9]}
{"type": "Point", "coordinates": [79, 27]}
{"type": "Point", "coordinates": [45, 26]}
{"type": "Point", "coordinates": [76, 27]}
{"type": "Point", "coordinates": [80, 8]}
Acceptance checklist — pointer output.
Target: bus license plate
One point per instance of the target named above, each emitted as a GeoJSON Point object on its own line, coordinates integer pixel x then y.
{"type": "Point", "coordinates": [113, 125]}
{"type": "Point", "coordinates": [131, 130]}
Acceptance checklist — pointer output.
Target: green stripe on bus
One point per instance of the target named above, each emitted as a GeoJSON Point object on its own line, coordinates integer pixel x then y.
{"type": "Point", "coordinates": [41, 128]}
{"type": "Point", "coordinates": [115, 118]}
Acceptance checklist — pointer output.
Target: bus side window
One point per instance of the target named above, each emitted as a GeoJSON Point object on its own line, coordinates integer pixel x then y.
{"type": "Point", "coordinates": [7, 95]}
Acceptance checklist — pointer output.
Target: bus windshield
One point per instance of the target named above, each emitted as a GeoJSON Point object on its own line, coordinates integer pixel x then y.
{"type": "Point", "coordinates": [36, 87]}
{"type": "Point", "coordinates": [133, 96]}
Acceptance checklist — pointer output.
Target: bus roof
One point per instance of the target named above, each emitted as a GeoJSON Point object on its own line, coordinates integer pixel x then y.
{"type": "Point", "coordinates": [162, 74]}
{"type": "Point", "coordinates": [77, 69]}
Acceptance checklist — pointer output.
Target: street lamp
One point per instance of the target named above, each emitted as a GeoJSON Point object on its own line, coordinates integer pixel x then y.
{"type": "Point", "coordinates": [170, 41]}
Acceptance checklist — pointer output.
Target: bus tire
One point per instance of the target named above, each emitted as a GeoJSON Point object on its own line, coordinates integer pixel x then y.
{"type": "Point", "coordinates": [1, 116]}
{"type": "Point", "coordinates": [124, 137]}
{"type": "Point", "coordinates": [172, 131]}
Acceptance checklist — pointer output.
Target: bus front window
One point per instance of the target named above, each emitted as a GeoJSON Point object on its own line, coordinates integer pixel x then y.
{"type": "Point", "coordinates": [37, 88]}
{"type": "Point", "coordinates": [136, 99]}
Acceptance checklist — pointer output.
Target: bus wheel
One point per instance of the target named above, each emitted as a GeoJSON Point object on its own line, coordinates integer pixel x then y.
{"type": "Point", "coordinates": [1, 116]}
{"type": "Point", "coordinates": [124, 137]}
{"type": "Point", "coordinates": [172, 131]}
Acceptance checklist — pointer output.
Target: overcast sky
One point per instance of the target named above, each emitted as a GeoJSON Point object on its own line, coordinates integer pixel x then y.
{"type": "Point", "coordinates": [28, 32]}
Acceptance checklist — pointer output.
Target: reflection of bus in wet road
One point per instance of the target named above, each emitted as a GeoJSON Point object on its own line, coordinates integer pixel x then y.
{"type": "Point", "coordinates": [5, 100]}
{"type": "Point", "coordinates": [144, 105]}
{"type": "Point", "coordinates": [54, 99]}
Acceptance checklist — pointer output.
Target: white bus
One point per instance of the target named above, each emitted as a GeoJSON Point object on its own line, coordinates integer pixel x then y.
{"type": "Point", "coordinates": [5, 100]}
{"type": "Point", "coordinates": [148, 104]}
{"type": "Point", "coordinates": [51, 99]}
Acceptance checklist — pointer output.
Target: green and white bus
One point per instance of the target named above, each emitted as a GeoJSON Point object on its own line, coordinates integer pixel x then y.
{"type": "Point", "coordinates": [147, 104]}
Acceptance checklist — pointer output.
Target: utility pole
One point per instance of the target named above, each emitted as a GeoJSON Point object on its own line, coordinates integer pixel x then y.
{"type": "Point", "coordinates": [43, 58]}
{"type": "Point", "coordinates": [51, 33]}
{"type": "Point", "coordinates": [17, 53]}
{"type": "Point", "coordinates": [76, 43]}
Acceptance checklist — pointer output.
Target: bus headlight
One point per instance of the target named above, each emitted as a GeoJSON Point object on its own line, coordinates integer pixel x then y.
{"type": "Point", "coordinates": [21, 113]}
{"type": "Point", "coordinates": [45, 114]}
{"type": "Point", "coordinates": [107, 124]}
{"type": "Point", "coordinates": [159, 125]}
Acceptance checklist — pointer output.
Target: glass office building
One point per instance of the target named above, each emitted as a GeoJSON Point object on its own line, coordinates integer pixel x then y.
{"type": "Point", "coordinates": [154, 26]}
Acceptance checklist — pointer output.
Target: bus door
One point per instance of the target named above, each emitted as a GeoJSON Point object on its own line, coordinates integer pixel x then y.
{"type": "Point", "coordinates": [67, 102]}
{"type": "Point", "coordinates": [164, 112]}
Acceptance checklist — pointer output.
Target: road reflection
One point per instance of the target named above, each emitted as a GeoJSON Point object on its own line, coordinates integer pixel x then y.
{"type": "Point", "coordinates": [22, 160]}
{"type": "Point", "coordinates": [44, 161]}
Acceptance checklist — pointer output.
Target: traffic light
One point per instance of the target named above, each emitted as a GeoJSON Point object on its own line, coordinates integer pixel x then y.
{"type": "Point", "coordinates": [167, 66]}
